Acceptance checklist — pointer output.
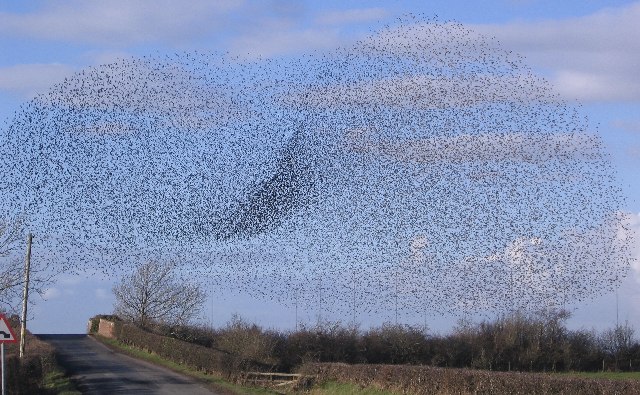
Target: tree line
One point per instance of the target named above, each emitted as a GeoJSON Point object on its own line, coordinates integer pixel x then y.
{"type": "Point", "coordinates": [156, 299]}
{"type": "Point", "coordinates": [515, 342]}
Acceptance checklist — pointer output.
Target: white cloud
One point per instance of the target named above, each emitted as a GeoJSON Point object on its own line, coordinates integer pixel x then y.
{"type": "Point", "coordinates": [633, 225]}
{"type": "Point", "coordinates": [26, 80]}
{"type": "Point", "coordinates": [246, 28]}
{"type": "Point", "coordinates": [632, 126]}
{"type": "Point", "coordinates": [51, 293]}
{"type": "Point", "coordinates": [276, 33]}
{"type": "Point", "coordinates": [104, 57]}
{"type": "Point", "coordinates": [351, 16]}
{"type": "Point", "coordinates": [519, 263]}
{"type": "Point", "coordinates": [119, 21]}
{"type": "Point", "coordinates": [272, 42]}
{"type": "Point", "coordinates": [634, 151]}
{"type": "Point", "coordinates": [463, 148]}
{"type": "Point", "coordinates": [596, 86]}
{"type": "Point", "coordinates": [70, 279]}
{"type": "Point", "coordinates": [579, 265]}
{"type": "Point", "coordinates": [101, 293]}
{"type": "Point", "coordinates": [427, 91]}
{"type": "Point", "coordinates": [417, 246]}
{"type": "Point", "coordinates": [591, 58]}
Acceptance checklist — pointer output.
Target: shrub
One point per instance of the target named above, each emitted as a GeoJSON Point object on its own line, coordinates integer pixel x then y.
{"type": "Point", "coordinates": [247, 346]}
{"type": "Point", "coordinates": [26, 375]}
{"type": "Point", "coordinates": [197, 357]}
{"type": "Point", "coordinates": [192, 355]}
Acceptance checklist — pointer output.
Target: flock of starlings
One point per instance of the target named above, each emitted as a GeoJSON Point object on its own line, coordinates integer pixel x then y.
{"type": "Point", "coordinates": [421, 169]}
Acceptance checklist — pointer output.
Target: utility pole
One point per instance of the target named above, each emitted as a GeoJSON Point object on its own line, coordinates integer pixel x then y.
{"type": "Point", "coordinates": [617, 317]}
{"type": "Point", "coordinates": [395, 283]}
{"type": "Point", "coordinates": [296, 310]}
{"type": "Point", "coordinates": [25, 295]}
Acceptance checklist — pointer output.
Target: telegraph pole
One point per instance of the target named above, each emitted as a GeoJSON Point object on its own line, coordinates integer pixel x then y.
{"type": "Point", "coordinates": [25, 295]}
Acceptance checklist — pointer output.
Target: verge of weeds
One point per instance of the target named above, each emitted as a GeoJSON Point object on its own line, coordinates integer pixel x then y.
{"type": "Point", "coordinates": [58, 383]}
{"type": "Point", "coordinates": [604, 375]}
{"type": "Point", "coordinates": [336, 388]}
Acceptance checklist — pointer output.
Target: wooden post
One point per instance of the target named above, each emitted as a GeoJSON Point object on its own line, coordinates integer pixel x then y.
{"type": "Point", "coordinates": [296, 309]}
{"type": "Point", "coordinates": [25, 295]}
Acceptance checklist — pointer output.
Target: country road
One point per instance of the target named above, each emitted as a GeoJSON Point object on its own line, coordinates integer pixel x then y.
{"type": "Point", "coordinates": [98, 370]}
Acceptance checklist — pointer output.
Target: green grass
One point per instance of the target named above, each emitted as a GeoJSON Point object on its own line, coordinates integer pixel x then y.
{"type": "Point", "coordinates": [216, 382]}
{"type": "Point", "coordinates": [605, 375]}
{"type": "Point", "coordinates": [58, 383]}
{"type": "Point", "coordinates": [335, 388]}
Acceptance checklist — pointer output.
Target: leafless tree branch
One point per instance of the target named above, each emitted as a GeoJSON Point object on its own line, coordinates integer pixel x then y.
{"type": "Point", "coordinates": [155, 293]}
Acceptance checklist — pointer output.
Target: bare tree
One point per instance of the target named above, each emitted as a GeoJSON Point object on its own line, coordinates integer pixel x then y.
{"type": "Point", "coordinates": [11, 230]}
{"type": "Point", "coordinates": [11, 271]}
{"type": "Point", "coordinates": [618, 342]}
{"type": "Point", "coordinates": [11, 281]}
{"type": "Point", "coordinates": [12, 236]}
{"type": "Point", "coordinates": [155, 293]}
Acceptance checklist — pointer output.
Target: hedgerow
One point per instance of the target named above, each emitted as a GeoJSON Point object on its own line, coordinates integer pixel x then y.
{"type": "Point", "coordinates": [526, 343]}
{"type": "Point", "coordinates": [418, 380]}
{"type": "Point", "coordinates": [197, 357]}
{"type": "Point", "coordinates": [26, 375]}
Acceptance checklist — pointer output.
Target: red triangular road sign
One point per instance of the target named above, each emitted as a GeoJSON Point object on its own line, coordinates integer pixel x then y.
{"type": "Point", "coordinates": [6, 333]}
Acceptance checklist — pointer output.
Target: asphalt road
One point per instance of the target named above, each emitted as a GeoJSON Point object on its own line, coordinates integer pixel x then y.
{"type": "Point", "coordinates": [98, 370]}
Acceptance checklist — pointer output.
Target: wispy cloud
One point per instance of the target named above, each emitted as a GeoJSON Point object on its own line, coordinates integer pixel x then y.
{"type": "Point", "coordinates": [352, 16]}
{"type": "Point", "coordinates": [51, 293]}
{"type": "Point", "coordinates": [632, 126]}
{"type": "Point", "coordinates": [279, 41]}
{"type": "Point", "coordinates": [633, 227]}
{"type": "Point", "coordinates": [102, 293]}
{"type": "Point", "coordinates": [119, 21]}
{"type": "Point", "coordinates": [279, 34]}
{"type": "Point", "coordinates": [426, 91]}
{"type": "Point", "coordinates": [634, 151]}
{"type": "Point", "coordinates": [514, 146]}
{"type": "Point", "coordinates": [247, 29]}
{"type": "Point", "coordinates": [251, 28]}
{"type": "Point", "coordinates": [591, 58]}
{"type": "Point", "coordinates": [98, 57]}
{"type": "Point", "coordinates": [26, 80]}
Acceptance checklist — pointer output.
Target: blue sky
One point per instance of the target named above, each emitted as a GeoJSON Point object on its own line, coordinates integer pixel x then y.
{"type": "Point", "coordinates": [589, 50]}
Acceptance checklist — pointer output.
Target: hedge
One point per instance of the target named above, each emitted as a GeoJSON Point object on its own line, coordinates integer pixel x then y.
{"type": "Point", "coordinates": [194, 356]}
{"type": "Point", "coordinates": [26, 375]}
{"type": "Point", "coordinates": [420, 380]}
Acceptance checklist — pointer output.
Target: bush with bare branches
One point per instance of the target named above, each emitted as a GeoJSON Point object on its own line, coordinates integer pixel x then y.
{"type": "Point", "coordinates": [155, 293]}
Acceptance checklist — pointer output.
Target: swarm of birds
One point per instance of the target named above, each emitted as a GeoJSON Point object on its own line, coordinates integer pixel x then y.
{"type": "Point", "coordinates": [423, 168]}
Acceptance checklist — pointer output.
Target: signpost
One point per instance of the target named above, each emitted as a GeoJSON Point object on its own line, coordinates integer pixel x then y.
{"type": "Point", "coordinates": [6, 336]}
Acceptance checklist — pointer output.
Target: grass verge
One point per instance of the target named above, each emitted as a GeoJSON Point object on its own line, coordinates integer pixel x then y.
{"type": "Point", "coordinates": [604, 375]}
{"type": "Point", "coordinates": [336, 388]}
{"type": "Point", "coordinates": [215, 382]}
{"type": "Point", "coordinates": [58, 383]}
